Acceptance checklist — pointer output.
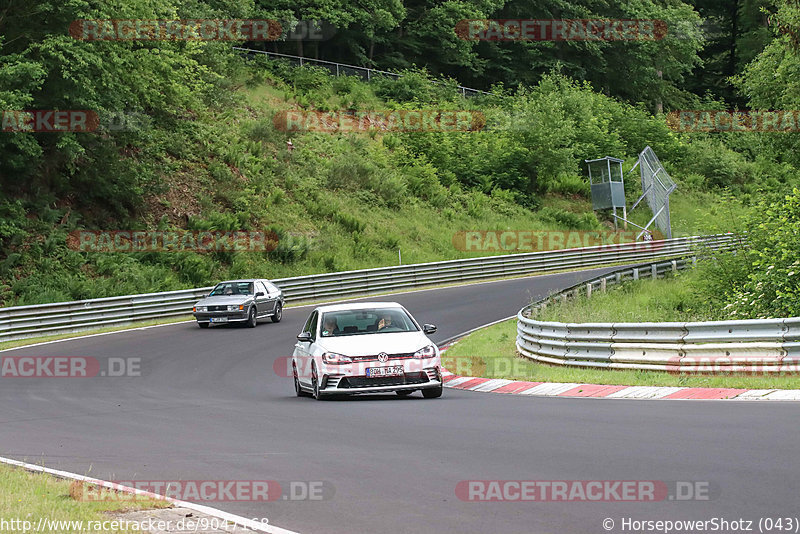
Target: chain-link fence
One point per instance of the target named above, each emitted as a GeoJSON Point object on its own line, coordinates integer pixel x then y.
{"type": "Point", "coordinates": [341, 69]}
{"type": "Point", "coordinates": [656, 187]}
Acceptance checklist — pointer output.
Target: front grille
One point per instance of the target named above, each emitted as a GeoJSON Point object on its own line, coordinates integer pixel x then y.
{"type": "Point", "coordinates": [364, 382]}
{"type": "Point", "coordinates": [374, 357]}
{"type": "Point", "coordinates": [217, 308]}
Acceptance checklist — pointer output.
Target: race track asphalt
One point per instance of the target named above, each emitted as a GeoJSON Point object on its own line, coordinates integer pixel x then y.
{"type": "Point", "coordinates": [209, 406]}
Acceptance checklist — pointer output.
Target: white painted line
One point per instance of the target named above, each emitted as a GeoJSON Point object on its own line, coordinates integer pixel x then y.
{"type": "Point", "coordinates": [753, 394]}
{"type": "Point", "coordinates": [549, 389]}
{"type": "Point", "coordinates": [491, 384]}
{"type": "Point", "coordinates": [784, 394]}
{"type": "Point", "coordinates": [644, 392]}
{"type": "Point", "coordinates": [213, 512]}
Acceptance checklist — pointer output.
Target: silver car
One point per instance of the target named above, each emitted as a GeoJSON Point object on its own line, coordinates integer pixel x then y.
{"type": "Point", "coordinates": [240, 301]}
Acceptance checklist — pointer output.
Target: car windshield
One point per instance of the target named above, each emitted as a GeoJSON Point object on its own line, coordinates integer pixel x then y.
{"type": "Point", "coordinates": [366, 321]}
{"type": "Point", "coordinates": [232, 288]}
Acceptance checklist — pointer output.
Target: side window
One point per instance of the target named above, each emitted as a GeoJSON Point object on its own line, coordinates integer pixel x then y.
{"type": "Point", "coordinates": [311, 325]}
{"type": "Point", "coordinates": [260, 287]}
{"type": "Point", "coordinates": [272, 288]}
{"type": "Point", "coordinates": [314, 327]}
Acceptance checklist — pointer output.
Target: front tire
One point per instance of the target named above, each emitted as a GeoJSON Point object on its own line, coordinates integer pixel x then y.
{"type": "Point", "coordinates": [432, 393]}
{"type": "Point", "coordinates": [252, 320]}
{"type": "Point", "coordinates": [297, 389]}
{"type": "Point", "coordinates": [278, 315]}
{"type": "Point", "coordinates": [315, 384]}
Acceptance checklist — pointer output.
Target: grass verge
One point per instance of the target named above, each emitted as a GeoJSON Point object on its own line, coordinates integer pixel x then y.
{"type": "Point", "coordinates": [27, 496]}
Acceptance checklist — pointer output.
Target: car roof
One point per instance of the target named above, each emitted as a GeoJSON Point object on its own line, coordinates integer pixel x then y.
{"type": "Point", "coordinates": [242, 280]}
{"type": "Point", "coordinates": [358, 306]}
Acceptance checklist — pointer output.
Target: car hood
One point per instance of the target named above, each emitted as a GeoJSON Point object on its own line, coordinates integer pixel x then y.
{"type": "Point", "coordinates": [224, 300]}
{"type": "Point", "coordinates": [371, 344]}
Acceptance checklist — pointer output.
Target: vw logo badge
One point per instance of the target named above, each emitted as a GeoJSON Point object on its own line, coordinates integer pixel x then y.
{"type": "Point", "coordinates": [383, 357]}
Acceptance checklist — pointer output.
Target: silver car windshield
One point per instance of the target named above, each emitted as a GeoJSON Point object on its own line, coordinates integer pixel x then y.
{"type": "Point", "coordinates": [232, 288]}
{"type": "Point", "coordinates": [366, 321]}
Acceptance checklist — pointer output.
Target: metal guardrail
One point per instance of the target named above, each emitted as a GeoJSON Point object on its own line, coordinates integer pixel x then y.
{"type": "Point", "coordinates": [746, 346]}
{"type": "Point", "coordinates": [67, 317]}
{"type": "Point", "coordinates": [339, 69]}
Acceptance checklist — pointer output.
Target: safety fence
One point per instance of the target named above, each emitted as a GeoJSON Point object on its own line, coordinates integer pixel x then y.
{"type": "Point", "coordinates": [742, 346]}
{"type": "Point", "coordinates": [66, 317]}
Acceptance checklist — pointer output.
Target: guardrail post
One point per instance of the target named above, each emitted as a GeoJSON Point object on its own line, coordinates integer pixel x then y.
{"type": "Point", "coordinates": [674, 266]}
{"type": "Point", "coordinates": [618, 277]}
{"type": "Point", "coordinates": [603, 285]}
{"type": "Point", "coordinates": [694, 261]}
{"type": "Point", "coordinates": [635, 273]}
{"type": "Point", "coordinates": [589, 291]}
{"type": "Point", "coordinates": [654, 271]}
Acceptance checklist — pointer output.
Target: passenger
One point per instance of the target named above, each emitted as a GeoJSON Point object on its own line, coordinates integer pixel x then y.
{"type": "Point", "coordinates": [385, 321]}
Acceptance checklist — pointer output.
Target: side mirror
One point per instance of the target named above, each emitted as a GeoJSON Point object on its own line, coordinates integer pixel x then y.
{"type": "Point", "coordinates": [429, 328]}
{"type": "Point", "coordinates": [260, 294]}
{"type": "Point", "coordinates": [304, 337]}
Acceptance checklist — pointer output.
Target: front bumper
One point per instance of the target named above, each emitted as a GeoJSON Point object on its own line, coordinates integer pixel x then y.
{"type": "Point", "coordinates": [233, 316]}
{"type": "Point", "coordinates": [333, 384]}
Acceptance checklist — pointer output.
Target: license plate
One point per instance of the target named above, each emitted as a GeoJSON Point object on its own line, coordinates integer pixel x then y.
{"type": "Point", "coordinates": [378, 372]}
{"type": "Point", "coordinates": [218, 319]}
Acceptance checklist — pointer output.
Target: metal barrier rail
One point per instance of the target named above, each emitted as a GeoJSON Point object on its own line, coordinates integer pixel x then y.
{"type": "Point", "coordinates": [66, 317]}
{"type": "Point", "coordinates": [339, 69]}
{"type": "Point", "coordinates": [746, 346]}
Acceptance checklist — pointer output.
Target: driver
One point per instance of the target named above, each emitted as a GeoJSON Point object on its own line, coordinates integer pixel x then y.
{"type": "Point", "coordinates": [330, 327]}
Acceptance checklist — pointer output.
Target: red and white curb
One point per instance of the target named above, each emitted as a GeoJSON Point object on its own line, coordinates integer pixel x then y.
{"type": "Point", "coordinates": [256, 526]}
{"type": "Point", "coordinates": [557, 389]}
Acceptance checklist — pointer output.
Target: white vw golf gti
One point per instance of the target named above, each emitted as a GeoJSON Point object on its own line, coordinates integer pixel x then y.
{"type": "Point", "coordinates": [373, 347]}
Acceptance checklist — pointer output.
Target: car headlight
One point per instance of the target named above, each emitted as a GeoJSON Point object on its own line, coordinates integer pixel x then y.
{"type": "Point", "coordinates": [425, 352]}
{"type": "Point", "coordinates": [199, 308]}
{"type": "Point", "coordinates": [336, 359]}
{"type": "Point", "coordinates": [235, 307]}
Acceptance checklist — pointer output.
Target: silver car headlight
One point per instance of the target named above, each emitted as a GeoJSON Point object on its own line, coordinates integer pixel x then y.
{"type": "Point", "coordinates": [235, 307]}
{"type": "Point", "coordinates": [425, 352]}
{"type": "Point", "coordinates": [200, 308]}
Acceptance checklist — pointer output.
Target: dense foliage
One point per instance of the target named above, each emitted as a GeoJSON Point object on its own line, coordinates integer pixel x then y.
{"type": "Point", "coordinates": [205, 153]}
